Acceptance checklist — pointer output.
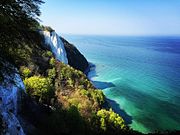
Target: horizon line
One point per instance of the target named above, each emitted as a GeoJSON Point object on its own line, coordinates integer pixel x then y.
{"type": "Point", "coordinates": [133, 35]}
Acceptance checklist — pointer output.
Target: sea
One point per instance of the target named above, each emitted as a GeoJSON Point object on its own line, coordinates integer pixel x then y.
{"type": "Point", "coordinates": [140, 76]}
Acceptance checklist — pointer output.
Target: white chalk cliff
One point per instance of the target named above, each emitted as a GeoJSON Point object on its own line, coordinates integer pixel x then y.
{"type": "Point", "coordinates": [9, 99]}
{"type": "Point", "coordinates": [56, 45]}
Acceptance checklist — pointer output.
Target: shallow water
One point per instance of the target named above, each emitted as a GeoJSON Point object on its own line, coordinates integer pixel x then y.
{"type": "Point", "coordinates": [140, 75]}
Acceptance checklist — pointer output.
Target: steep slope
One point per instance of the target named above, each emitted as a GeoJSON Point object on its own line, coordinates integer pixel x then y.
{"type": "Point", "coordinates": [64, 51]}
{"type": "Point", "coordinates": [33, 57]}
{"type": "Point", "coordinates": [76, 59]}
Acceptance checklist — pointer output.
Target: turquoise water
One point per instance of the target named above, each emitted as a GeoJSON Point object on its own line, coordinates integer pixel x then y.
{"type": "Point", "coordinates": [140, 76]}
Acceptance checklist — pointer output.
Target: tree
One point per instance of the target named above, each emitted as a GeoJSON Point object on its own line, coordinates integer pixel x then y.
{"type": "Point", "coordinates": [110, 120]}
{"type": "Point", "coordinates": [18, 18]}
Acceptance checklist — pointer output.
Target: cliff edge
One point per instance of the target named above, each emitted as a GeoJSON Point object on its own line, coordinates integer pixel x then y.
{"type": "Point", "coordinates": [75, 58]}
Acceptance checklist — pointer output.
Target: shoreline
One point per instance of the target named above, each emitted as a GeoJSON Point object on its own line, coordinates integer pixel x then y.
{"type": "Point", "coordinates": [88, 69]}
{"type": "Point", "coordinates": [109, 103]}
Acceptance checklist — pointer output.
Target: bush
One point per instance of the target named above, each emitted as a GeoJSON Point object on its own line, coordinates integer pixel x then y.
{"type": "Point", "coordinates": [85, 93]}
{"type": "Point", "coordinates": [73, 77]}
{"type": "Point", "coordinates": [25, 72]}
{"type": "Point", "coordinates": [110, 120]}
{"type": "Point", "coordinates": [52, 73]}
{"type": "Point", "coordinates": [40, 88]}
{"type": "Point", "coordinates": [52, 62]}
{"type": "Point", "coordinates": [98, 96]}
{"type": "Point", "coordinates": [47, 54]}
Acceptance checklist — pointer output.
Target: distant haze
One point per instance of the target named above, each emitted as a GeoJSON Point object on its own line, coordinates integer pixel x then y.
{"type": "Point", "coordinates": [113, 17]}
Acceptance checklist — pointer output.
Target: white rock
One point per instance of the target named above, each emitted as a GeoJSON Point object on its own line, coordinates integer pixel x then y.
{"type": "Point", "coordinates": [57, 47]}
{"type": "Point", "coordinates": [8, 105]}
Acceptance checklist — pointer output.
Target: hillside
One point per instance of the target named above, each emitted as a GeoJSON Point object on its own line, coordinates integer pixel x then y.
{"type": "Point", "coordinates": [58, 95]}
{"type": "Point", "coordinates": [43, 86]}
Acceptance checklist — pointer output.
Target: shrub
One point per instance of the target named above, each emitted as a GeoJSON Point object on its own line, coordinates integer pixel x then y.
{"type": "Point", "coordinates": [52, 62]}
{"type": "Point", "coordinates": [47, 54]}
{"type": "Point", "coordinates": [39, 87]}
{"type": "Point", "coordinates": [73, 77]}
{"type": "Point", "coordinates": [52, 73]}
{"type": "Point", "coordinates": [25, 72]}
{"type": "Point", "coordinates": [110, 120]}
{"type": "Point", "coordinates": [85, 92]}
{"type": "Point", "coordinates": [98, 96]}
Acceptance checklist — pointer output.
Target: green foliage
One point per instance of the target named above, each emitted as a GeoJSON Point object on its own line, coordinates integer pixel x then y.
{"type": "Point", "coordinates": [74, 78]}
{"type": "Point", "coordinates": [52, 62]}
{"type": "Point", "coordinates": [79, 101]}
{"type": "Point", "coordinates": [18, 23]}
{"type": "Point", "coordinates": [52, 73]}
{"type": "Point", "coordinates": [39, 87]}
{"type": "Point", "coordinates": [110, 120]}
{"type": "Point", "coordinates": [103, 124]}
{"type": "Point", "coordinates": [76, 90]}
{"type": "Point", "coordinates": [85, 93]}
{"type": "Point", "coordinates": [47, 54]}
{"type": "Point", "coordinates": [98, 96]}
{"type": "Point", "coordinates": [26, 72]}
{"type": "Point", "coordinates": [18, 19]}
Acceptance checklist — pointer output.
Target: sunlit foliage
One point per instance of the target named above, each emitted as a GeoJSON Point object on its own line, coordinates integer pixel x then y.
{"type": "Point", "coordinates": [110, 120]}
{"type": "Point", "coordinates": [39, 88]}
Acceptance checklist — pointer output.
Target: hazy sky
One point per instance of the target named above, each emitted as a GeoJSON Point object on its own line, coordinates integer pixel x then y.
{"type": "Point", "coordinates": [113, 17]}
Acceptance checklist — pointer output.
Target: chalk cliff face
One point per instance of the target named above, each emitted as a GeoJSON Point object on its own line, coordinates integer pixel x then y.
{"type": "Point", "coordinates": [10, 96]}
{"type": "Point", "coordinates": [56, 45]}
{"type": "Point", "coordinates": [64, 51]}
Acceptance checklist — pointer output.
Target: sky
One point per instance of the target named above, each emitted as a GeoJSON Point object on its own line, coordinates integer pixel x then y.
{"type": "Point", "coordinates": [112, 17]}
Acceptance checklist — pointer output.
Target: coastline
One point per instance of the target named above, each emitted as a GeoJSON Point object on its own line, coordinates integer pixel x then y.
{"type": "Point", "coordinates": [109, 103]}
{"type": "Point", "coordinates": [88, 69]}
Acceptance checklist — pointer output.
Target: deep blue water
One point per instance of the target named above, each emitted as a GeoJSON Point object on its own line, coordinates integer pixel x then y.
{"type": "Point", "coordinates": [139, 75]}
